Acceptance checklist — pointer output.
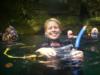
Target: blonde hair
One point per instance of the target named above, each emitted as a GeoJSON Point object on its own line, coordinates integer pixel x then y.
{"type": "Point", "coordinates": [54, 20]}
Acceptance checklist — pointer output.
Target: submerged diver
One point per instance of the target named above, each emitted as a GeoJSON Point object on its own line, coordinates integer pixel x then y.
{"type": "Point", "coordinates": [70, 34]}
{"type": "Point", "coordinates": [94, 39]}
{"type": "Point", "coordinates": [54, 65]}
{"type": "Point", "coordinates": [94, 33]}
{"type": "Point", "coordinates": [70, 37]}
{"type": "Point", "coordinates": [10, 34]}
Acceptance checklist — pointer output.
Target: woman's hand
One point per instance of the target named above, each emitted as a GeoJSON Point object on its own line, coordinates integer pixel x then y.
{"type": "Point", "coordinates": [49, 52]}
{"type": "Point", "coordinates": [77, 55]}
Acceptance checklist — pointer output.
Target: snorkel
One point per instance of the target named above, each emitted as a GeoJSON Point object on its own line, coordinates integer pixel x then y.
{"type": "Point", "coordinates": [78, 39]}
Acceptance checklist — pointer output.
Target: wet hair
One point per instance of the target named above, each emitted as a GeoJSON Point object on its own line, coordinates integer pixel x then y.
{"type": "Point", "coordinates": [94, 30]}
{"type": "Point", "coordinates": [54, 20]}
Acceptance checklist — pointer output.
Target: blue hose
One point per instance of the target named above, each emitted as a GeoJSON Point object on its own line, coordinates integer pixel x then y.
{"type": "Point", "coordinates": [77, 42]}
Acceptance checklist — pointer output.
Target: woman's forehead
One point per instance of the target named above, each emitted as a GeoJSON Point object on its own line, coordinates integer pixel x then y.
{"type": "Point", "coordinates": [52, 23]}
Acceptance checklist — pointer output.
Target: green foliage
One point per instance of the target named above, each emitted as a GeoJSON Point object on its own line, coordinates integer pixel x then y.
{"type": "Point", "coordinates": [28, 16]}
{"type": "Point", "coordinates": [94, 7]}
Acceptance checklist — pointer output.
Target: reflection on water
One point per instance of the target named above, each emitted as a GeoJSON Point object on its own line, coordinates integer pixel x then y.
{"type": "Point", "coordinates": [27, 46]}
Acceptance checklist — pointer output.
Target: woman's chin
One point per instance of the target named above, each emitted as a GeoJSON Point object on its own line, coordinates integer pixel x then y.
{"type": "Point", "coordinates": [54, 37]}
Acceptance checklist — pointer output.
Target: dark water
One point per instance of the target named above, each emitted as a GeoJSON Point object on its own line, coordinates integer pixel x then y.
{"type": "Point", "coordinates": [26, 46]}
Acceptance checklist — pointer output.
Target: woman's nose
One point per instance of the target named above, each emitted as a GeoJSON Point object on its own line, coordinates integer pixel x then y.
{"type": "Point", "coordinates": [53, 29]}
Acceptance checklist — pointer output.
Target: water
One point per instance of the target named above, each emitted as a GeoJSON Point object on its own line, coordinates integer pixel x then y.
{"type": "Point", "coordinates": [26, 46]}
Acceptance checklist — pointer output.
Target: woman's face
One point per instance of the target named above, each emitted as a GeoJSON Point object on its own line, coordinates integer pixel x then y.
{"type": "Point", "coordinates": [52, 30]}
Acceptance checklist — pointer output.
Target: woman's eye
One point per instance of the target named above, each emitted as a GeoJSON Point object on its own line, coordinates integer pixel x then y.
{"type": "Point", "coordinates": [49, 28]}
{"type": "Point", "coordinates": [56, 27]}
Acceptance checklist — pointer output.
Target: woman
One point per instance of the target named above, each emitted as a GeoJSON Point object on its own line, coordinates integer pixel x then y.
{"type": "Point", "coordinates": [54, 66]}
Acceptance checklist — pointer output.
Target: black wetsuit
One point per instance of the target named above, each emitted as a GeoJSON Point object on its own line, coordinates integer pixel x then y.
{"type": "Point", "coordinates": [62, 67]}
